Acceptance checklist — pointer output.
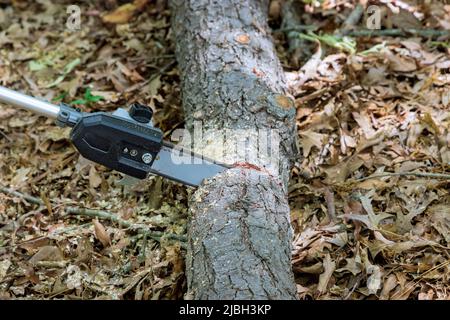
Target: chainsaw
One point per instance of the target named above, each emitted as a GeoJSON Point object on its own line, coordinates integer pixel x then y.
{"type": "Point", "coordinates": [124, 140]}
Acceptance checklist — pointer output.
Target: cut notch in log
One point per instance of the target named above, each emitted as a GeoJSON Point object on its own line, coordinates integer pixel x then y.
{"type": "Point", "coordinates": [239, 235]}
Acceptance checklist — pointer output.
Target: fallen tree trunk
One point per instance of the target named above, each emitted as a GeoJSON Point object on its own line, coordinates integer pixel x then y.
{"type": "Point", "coordinates": [239, 232]}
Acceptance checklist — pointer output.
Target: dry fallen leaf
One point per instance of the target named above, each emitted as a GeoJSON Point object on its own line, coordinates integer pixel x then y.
{"type": "Point", "coordinates": [310, 139]}
{"type": "Point", "coordinates": [390, 101]}
{"type": "Point", "coordinates": [94, 177]}
{"type": "Point", "coordinates": [325, 277]}
{"type": "Point", "coordinates": [374, 280]}
{"type": "Point", "coordinates": [389, 284]}
{"type": "Point", "coordinates": [20, 177]}
{"type": "Point", "coordinates": [101, 234]}
{"type": "Point", "coordinates": [4, 266]}
{"type": "Point", "coordinates": [124, 13]}
{"type": "Point", "coordinates": [401, 64]}
{"type": "Point", "coordinates": [47, 253]}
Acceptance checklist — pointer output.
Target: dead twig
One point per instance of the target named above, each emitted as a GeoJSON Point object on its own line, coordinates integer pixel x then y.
{"type": "Point", "coordinates": [5, 136]}
{"type": "Point", "coordinates": [21, 195]}
{"type": "Point", "coordinates": [427, 33]}
{"type": "Point", "coordinates": [51, 264]}
{"type": "Point", "coordinates": [416, 174]}
{"type": "Point", "coordinates": [353, 17]}
{"type": "Point", "coordinates": [414, 282]}
{"type": "Point", "coordinates": [155, 235]}
{"type": "Point", "coordinates": [153, 77]}
{"type": "Point", "coordinates": [331, 207]}
{"type": "Point", "coordinates": [298, 28]}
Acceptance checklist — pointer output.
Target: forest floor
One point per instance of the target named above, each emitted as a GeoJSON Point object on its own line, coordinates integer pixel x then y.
{"type": "Point", "coordinates": [370, 200]}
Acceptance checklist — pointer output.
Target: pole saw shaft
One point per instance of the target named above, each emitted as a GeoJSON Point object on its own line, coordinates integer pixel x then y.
{"type": "Point", "coordinates": [125, 141]}
{"type": "Point", "coordinates": [28, 103]}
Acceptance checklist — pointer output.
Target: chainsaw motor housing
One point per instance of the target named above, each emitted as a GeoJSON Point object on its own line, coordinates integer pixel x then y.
{"type": "Point", "coordinates": [117, 142]}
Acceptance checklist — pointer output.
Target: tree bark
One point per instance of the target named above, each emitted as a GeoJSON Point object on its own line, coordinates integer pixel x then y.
{"type": "Point", "coordinates": [239, 232]}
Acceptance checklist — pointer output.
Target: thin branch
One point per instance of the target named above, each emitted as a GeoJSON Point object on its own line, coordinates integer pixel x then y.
{"type": "Point", "coordinates": [153, 77]}
{"type": "Point", "coordinates": [52, 264]}
{"type": "Point", "coordinates": [427, 33]}
{"type": "Point", "coordinates": [21, 195]}
{"type": "Point", "coordinates": [298, 28]}
{"type": "Point", "coordinates": [417, 174]}
{"type": "Point", "coordinates": [5, 136]}
{"type": "Point", "coordinates": [415, 281]}
{"type": "Point", "coordinates": [353, 17]}
{"type": "Point", "coordinates": [155, 235]}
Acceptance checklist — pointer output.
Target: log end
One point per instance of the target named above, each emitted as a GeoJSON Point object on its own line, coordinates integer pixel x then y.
{"type": "Point", "coordinates": [238, 222]}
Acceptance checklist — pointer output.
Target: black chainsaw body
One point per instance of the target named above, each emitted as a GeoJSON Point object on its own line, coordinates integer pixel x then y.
{"type": "Point", "coordinates": [125, 140]}
{"type": "Point", "coordinates": [121, 144]}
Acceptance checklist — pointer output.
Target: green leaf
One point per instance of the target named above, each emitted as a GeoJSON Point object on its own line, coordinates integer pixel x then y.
{"type": "Point", "coordinates": [71, 65]}
{"type": "Point", "coordinates": [36, 65]}
{"type": "Point", "coordinates": [345, 43]}
{"type": "Point", "coordinates": [90, 98]}
{"type": "Point", "coordinates": [79, 101]}
{"type": "Point", "coordinates": [440, 44]}
{"type": "Point", "coordinates": [375, 49]}
{"type": "Point", "coordinates": [67, 69]}
{"type": "Point", "coordinates": [59, 97]}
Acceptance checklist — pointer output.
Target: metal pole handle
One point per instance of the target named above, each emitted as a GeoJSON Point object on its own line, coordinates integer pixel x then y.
{"type": "Point", "coordinates": [29, 103]}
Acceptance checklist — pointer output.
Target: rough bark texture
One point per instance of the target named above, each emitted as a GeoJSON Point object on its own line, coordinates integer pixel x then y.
{"type": "Point", "coordinates": [239, 231]}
